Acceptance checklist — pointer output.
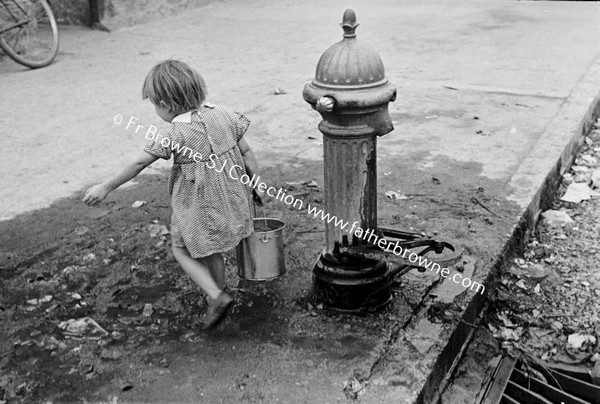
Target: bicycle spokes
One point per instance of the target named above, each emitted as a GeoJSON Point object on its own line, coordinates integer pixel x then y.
{"type": "Point", "coordinates": [28, 31]}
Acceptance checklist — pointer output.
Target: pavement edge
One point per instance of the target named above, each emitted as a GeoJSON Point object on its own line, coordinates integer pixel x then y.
{"type": "Point", "coordinates": [533, 185]}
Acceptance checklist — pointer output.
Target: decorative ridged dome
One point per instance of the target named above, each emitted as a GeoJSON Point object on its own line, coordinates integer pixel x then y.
{"type": "Point", "coordinates": [350, 63]}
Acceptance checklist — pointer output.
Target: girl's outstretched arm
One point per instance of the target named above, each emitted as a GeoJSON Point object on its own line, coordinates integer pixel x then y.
{"type": "Point", "coordinates": [251, 167]}
{"type": "Point", "coordinates": [97, 193]}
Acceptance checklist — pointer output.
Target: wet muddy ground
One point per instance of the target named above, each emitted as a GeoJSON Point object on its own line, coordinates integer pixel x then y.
{"type": "Point", "coordinates": [95, 309]}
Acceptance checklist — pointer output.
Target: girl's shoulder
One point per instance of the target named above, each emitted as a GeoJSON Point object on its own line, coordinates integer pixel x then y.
{"type": "Point", "coordinates": [224, 118]}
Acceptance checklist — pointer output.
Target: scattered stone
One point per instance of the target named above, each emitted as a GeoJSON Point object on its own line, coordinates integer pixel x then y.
{"type": "Point", "coordinates": [586, 160]}
{"type": "Point", "coordinates": [576, 193]}
{"type": "Point", "coordinates": [556, 218]}
{"type": "Point", "coordinates": [582, 178]}
{"type": "Point", "coordinates": [312, 184]}
{"type": "Point", "coordinates": [520, 262]}
{"type": "Point", "coordinates": [396, 195]}
{"type": "Point", "coordinates": [578, 340]}
{"type": "Point", "coordinates": [138, 204]}
{"type": "Point", "coordinates": [157, 229]}
{"type": "Point", "coordinates": [505, 320]}
{"type": "Point", "coordinates": [89, 258]}
{"type": "Point", "coordinates": [41, 300]}
{"type": "Point", "coordinates": [535, 272]}
{"type": "Point", "coordinates": [81, 230]}
{"type": "Point", "coordinates": [110, 354]}
{"type": "Point", "coordinates": [508, 334]}
{"type": "Point", "coordinates": [521, 285]}
{"type": "Point", "coordinates": [579, 169]}
{"type": "Point", "coordinates": [595, 178]}
{"type": "Point", "coordinates": [82, 328]}
{"type": "Point", "coordinates": [567, 179]}
{"type": "Point", "coordinates": [353, 388]}
{"type": "Point", "coordinates": [148, 310]}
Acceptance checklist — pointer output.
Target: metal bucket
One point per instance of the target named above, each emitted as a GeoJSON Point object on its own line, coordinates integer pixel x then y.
{"type": "Point", "coordinates": [260, 257]}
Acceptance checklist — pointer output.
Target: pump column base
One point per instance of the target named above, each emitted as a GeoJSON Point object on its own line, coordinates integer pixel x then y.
{"type": "Point", "coordinates": [358, 286]}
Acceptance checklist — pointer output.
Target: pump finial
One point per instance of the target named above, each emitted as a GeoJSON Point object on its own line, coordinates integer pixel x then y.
{"type": "Point", "coordinates": [349, 23]}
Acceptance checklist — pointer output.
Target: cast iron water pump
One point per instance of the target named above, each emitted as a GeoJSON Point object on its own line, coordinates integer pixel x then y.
{"type": "Point", "coordinates": [351, 93]}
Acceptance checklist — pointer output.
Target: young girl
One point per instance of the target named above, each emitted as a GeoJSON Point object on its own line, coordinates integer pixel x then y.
{"type": "Point", "coordinates": [212, 211]}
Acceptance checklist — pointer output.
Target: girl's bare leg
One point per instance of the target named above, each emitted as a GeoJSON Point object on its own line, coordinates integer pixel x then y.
{"type": "Point", "coordinates": [199, 273]}
{"type": "Point", "coordinates": [216, 266]}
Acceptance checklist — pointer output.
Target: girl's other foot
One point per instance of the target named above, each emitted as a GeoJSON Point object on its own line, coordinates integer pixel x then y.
{"type": "Point", "coordinates": [216, 309]}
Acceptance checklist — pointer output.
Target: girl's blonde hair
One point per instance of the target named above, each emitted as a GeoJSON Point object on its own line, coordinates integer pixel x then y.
{"type": "Point", "coordinates": [174, 85]}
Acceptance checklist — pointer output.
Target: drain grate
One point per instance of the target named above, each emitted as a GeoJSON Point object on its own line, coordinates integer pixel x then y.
{"type": "Point", "coordinates": [538, 382]}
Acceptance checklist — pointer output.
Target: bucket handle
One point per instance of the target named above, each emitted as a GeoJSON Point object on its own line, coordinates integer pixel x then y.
{"type": "Point", "coordinates": [264, 238]}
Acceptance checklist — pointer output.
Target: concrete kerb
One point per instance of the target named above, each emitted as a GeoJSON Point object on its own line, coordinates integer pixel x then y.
{"type": "Point", "coordinates": [534, 184]}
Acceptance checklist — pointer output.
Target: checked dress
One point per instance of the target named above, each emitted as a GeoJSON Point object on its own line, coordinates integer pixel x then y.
{"type": "Point", "coordinates": [212, 209]}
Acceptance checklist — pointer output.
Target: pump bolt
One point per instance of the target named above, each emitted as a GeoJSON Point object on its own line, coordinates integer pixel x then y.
{"type": "Point", "coordinates": [325, 104]}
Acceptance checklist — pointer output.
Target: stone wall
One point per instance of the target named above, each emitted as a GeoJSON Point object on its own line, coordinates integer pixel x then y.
{"type": "Point", "coordinates": [114, 14]}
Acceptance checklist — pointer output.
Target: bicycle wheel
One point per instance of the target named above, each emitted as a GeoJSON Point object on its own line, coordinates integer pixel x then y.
{"type": "Point", "coordinates": [28, 32]}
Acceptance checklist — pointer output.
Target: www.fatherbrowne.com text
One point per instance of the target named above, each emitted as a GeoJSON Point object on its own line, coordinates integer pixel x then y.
{"type": "Point", "coordinates": [219, 164]}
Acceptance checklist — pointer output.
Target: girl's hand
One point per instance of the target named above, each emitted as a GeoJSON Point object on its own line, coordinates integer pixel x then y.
{"type": "Point", "coordinates": [96, 194]}
{"type": "Point", "coordinates": [259, 197]}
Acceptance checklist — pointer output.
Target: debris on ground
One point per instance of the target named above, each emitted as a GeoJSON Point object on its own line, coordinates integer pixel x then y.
{"type": "Point", "coordinates": [148, 310]}
{"type": "Point", "coordinates": [157, 229]}
{"type": "Point", "coordinates": [595, 178]}
{"type": "Point", "coordinates": [353, 388]}
{"type": "Point", "coordinates": [82, 328]}
{"type": "Point", "coordinates": [577, 340]}
{"type": "Point", "coordinates": [556, 218]}
{"type": "Point", "coordinates": [546, 304]}
{"type": "Point", "coordinates": [396, 195]}
{"type": "Point", "coordinates": [577, 192]}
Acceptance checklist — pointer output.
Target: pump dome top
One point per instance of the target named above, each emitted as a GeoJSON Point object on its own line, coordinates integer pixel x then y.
{"type": "Point", "coordinates": [350, 64]}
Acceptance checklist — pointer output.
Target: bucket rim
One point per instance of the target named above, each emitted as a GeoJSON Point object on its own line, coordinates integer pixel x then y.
{"type": "Point", "coordinates": [283, 224]}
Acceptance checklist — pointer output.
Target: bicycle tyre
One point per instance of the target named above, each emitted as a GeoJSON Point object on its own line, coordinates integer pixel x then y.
{"type": "Point", "coordinates": [25, 59]}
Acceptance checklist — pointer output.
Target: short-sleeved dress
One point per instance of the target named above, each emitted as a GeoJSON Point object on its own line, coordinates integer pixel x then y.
{"type": "Point", "coordinates": [212, 209]}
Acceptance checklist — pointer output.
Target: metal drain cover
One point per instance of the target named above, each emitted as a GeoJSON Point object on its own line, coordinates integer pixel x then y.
{"type": "Point", "coordinates": [516, 382]}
